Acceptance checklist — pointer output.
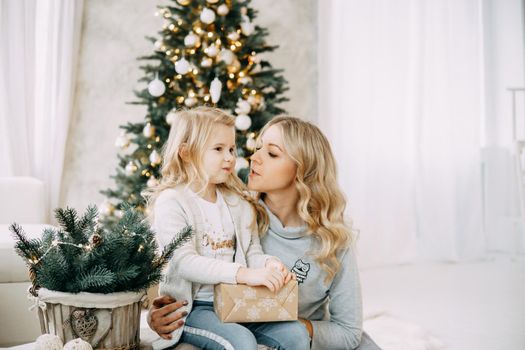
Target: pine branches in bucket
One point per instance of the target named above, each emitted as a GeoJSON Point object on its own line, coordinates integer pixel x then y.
{"type": "Point", "coordinates": [82, 256]}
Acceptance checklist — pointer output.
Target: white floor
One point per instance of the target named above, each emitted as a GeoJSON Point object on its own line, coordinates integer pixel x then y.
{"type": "Point", "coordinates": [463, 306]}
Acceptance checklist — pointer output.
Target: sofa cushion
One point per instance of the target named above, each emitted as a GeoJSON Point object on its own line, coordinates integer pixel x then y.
{"type": "Point", "coordinates": [12, 266]}
{"type": "Point", "coordinates": [23, 200]}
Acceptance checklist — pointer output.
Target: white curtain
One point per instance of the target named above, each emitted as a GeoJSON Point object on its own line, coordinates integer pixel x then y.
{"type": "Point", "coordinates": [39, 42]}
{"type": "Point", "coordinates": [401, 96]}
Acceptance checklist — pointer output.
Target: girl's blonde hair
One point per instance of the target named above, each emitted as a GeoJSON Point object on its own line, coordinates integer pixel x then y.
{"type": "Point", "coordinates": [321, 202]}
{"type": "Point", "coordinates": [192, 128]}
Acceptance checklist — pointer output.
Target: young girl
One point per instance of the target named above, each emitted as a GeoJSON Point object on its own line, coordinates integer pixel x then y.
{"type": "Point", "coordinates": [199, 188]}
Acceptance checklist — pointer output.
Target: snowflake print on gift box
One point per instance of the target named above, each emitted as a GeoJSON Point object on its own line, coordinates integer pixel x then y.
{"type": "Point", "coordinates": [239, 303]}
{"type": "Point", "coordinates": [253, 313]}
{"type": "Point", "coordinates": [267, 304]}
{"type": "Point", "coordinates": [249, 293]}
{"type": "Point", "coordinates": [283, 314]}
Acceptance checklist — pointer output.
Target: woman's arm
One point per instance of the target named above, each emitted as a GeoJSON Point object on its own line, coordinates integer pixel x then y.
{"type": "Point", "coordinates": [343, 330]}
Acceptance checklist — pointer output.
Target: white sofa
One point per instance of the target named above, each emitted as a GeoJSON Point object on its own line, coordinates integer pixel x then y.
{"type": "Point", "coordinates": [21, 201]}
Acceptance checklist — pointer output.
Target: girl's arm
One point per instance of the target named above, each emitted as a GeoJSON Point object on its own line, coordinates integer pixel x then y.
{"type": "Point", "coordinates": [170, 218]}
{"type": "Point", "coordinates": [343, 330]}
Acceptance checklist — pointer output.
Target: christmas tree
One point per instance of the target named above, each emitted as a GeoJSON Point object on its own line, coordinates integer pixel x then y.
{"type": "Point", "coordinates": [82, 256]}
{"type": "Point", "coordinates": [208, 53]}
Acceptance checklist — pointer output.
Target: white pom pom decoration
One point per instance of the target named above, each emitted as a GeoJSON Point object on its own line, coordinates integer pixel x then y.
{"type": "Point", "coordinates": [77, 344]}
{"type": "Point", "coordinates": [48, 342]}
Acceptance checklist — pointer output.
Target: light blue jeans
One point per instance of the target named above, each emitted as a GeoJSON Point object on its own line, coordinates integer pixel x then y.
{"type": "Point", "coordinates": [204, 330]}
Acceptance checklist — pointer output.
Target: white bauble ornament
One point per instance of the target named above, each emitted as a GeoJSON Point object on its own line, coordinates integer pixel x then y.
{"type": "Point", "coordinates": [192, 40]}
{"type": "Point", "coordinates": [122, 141]}
{"type": "Point", "coordinates": [233, 36]}
{"type": "Point", "coordinates": [207, 16]}
{"type": "Point", "coordinates": [130, 168]}
{"type": "Point", "coordinates": [77, 344]}
{"type": "Point", "coordinates": [243, 107]}
{"type": "Point", "coordinates": [223, 10]}
{"type": "Point", "coordinates": [48, 342]}
{"type": "Point", "coordinates": [206, 62]}
{"type": "Point", "coordinates": [118, 213]}
{"type": "Point", "coordinates": [245, 80]}
{"type": "Point", "coordinates": [152, 181]}
{"type": "Point", "coordinates": [211, 50]}
{"type": "Point", "coordinates": [182, 66]}
{"type": "Point", "coordinates": [156, 87]}
{"type": "Point", "coordinates": [247, 27]}
{"type": "Point", "coordinates": [227, 56]}
{"type": "Point", "coordinates": [158, 44]}
{"type": "Point", "coordinates": [241, 163]}
{"type": "Point", "coordinates": [244, 11]}
{"type": "Point", "coordinates": [170, 117]}
{"type": "Point", "coordinates": [190, 101]}
{"type": "Point", "coordinates": [106, 208]}
{"type": "Point", "coordinates": [215, 90]}
{"type": "Point", "coordinates": [149, 130]}
{"type": "Point", "coordinates": [251, 143]}
{"type": "Point", "coordinates": [243, 122]}
{"type": "Point", "coordinates": [155, 157]}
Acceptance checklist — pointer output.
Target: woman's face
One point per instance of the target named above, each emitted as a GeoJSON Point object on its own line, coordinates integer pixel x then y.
{"type": "Point", "coordinates": [272, 169]}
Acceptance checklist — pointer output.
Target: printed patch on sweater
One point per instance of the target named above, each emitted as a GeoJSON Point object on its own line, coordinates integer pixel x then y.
{"type": "Point", "coordinates": [301, 270]}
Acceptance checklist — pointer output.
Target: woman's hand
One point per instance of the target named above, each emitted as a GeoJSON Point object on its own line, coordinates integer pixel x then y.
{"type": "Point", "coordinates": [275, 263]}
{"type": "Point", "coordinates": [160, 317]}
{"type": "Point", "coordinates": [269, 277]}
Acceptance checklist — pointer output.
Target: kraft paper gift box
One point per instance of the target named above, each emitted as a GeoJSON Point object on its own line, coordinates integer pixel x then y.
{"type": "Point", "coordinates": [240, 303]}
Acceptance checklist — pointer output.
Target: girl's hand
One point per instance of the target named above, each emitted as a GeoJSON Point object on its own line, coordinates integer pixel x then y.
{"type": "Point", "coordinates": [269, 277]}
{"type": "Point", "coordinates": [275, 263]}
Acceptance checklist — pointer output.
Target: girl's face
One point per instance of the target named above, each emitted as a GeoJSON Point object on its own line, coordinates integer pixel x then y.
{"type": "Point", "coordinates": [218, 158]}
{"type": "Point", "coordinates": [272, 169]}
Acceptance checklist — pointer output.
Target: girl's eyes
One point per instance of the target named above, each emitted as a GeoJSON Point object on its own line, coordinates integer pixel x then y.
{"type": "Point", "coordinates": [219, 149]}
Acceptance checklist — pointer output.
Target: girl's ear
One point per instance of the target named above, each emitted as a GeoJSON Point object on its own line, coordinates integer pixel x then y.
{"type": "Point", "coordinates": [183, 152]}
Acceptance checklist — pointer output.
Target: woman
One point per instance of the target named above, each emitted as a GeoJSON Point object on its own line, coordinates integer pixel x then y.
{"type": "Point", "coordinates": [294, 172]}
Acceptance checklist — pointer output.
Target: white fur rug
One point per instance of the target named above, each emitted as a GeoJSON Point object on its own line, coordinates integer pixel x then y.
{"type": "Point", "coordinates": [391, 333]}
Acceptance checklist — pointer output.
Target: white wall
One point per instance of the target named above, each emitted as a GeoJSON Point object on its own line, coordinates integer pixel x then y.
{"type": "Point", "coordinates": [113, 36]}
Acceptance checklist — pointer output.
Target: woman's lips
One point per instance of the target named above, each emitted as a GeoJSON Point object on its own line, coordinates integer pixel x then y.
{"type": "Point", "coordinates": [254, 173]}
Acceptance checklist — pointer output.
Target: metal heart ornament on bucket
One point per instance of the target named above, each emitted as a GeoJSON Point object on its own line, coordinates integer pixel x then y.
{"type": "Point", "coordinates": [84, 323]}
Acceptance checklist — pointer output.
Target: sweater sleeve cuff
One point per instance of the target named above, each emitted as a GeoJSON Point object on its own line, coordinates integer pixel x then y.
{"type": "Point", "coordinates": [231, 275]}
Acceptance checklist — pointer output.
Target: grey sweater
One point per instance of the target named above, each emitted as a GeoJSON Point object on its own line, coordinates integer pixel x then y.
{"type": "Point", "coordinates": [335, 310]}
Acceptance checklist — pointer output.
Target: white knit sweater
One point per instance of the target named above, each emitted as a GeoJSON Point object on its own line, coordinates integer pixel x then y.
{"type": "Point", "coordinates": [175, 209]}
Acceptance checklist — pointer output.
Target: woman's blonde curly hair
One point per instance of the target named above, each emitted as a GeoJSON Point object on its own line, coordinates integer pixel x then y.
{"type": "Point", "coordinates": [321, 202]}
